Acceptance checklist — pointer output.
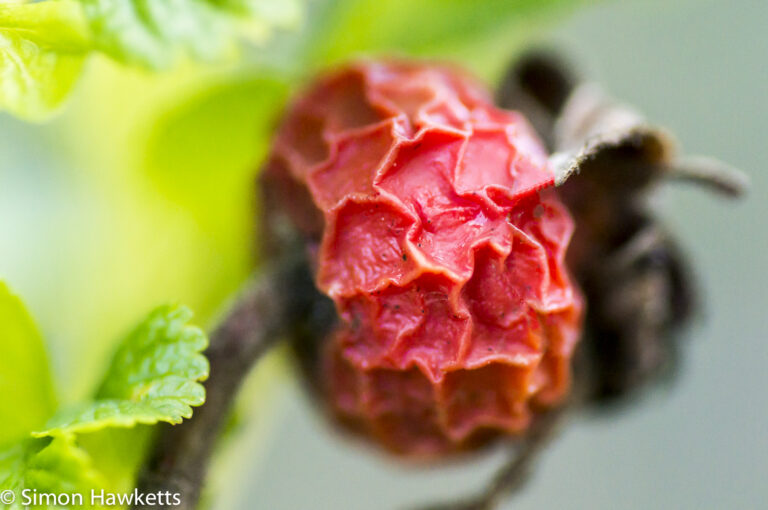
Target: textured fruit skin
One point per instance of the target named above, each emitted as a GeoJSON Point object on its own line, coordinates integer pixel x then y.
{"type": "Point", "coordinates": [426, 215]}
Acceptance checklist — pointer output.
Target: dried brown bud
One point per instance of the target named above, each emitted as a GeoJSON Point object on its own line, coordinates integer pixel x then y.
{"type": "Point", "coordinates": [608, 160]}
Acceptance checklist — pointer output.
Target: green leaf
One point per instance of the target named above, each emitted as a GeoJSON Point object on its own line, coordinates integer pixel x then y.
{"type": "Point", "coordinates": [210, 171]}
{"type": "Point", "coordinates": [422, 26]}
{"type": "Point", "coordinates": [57, 466]}
{"type": "Point", "coordinates": [268, 14]}
{"type": "Point", "coordinates": [42, 48]}
{"type": "Point", "coordinates": [153, 377]}
{"type": "Point", "coordinates": [118, 453]}
{"type": "Point", "coordinates": [156, 33]}
{"type": "Point", "coordinates": [429, 28]}
{"type": "Point", "coordinates": [25, 380]}
{"type": "Point", "coordinates": [43, 45]}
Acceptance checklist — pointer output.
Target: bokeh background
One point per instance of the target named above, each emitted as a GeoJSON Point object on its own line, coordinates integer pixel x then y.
{"type": "Point", "coordinates": [139, 193]}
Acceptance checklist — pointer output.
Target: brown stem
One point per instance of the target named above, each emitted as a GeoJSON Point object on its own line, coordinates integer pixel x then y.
{"type": "Point", "coordinates": [277, 300]}
{"type": "Point", "coordinates": [512, 475]}
{"type": "Point", "coordinates": [714, 174]}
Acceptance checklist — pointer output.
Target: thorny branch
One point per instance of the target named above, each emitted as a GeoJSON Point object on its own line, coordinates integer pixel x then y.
{"type": "Point", "coordinates": [278, 301]}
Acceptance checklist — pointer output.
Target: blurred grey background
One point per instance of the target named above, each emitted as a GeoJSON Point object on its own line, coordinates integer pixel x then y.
{"type": "Point", "coordinates": [701, 69]}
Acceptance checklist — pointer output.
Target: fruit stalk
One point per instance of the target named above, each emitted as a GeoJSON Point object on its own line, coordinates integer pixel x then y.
{"type": "Point", "coordinates": [280, 301]}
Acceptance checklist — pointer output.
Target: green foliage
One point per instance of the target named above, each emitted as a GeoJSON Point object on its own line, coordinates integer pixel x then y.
{"type": "Point", "coordinates": [54, 466]}
{"type": "Point", "coordinates": [41, 55]}
{"type": "Point", "coordinates": [43, 45]}
{"type": "Point", "coordinates": [117, 453]}
{"type": "Point", "coordinates": [424, 27]}
{"type": "Point", "coordinates": [155, 33]}
{"type": "Point", "coordinates": [210, 171]}
{"type": "Point", "coordinates": [153, 377]}
{"type": "Point", "coordinates": [25, 382]}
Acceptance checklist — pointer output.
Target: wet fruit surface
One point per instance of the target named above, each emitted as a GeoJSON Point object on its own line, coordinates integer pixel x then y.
{"type": "Point", "coordinates": [427, 213]}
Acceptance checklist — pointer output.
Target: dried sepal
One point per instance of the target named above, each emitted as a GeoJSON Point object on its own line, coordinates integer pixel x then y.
{"type": "Point", "coordinates": [608, 159]}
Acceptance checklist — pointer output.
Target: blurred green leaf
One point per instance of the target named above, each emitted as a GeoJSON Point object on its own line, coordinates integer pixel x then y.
{"type": "Point", "coordinates": [427, 28]}
{"type": "Point", "coordinates": [43, 45]}
{"type": "Point", "coordinates": [42, 48]}
{"type": "Point", "coordinates": [153, 377]}
{"type": "Point", "coordinates": [117, 454]}
{"type": "Point", "coordinates": [203, 153]}
{"type": "Point", "coordinates": [423, 26]}
{"type": "Point", "coordinates": [57, 467]}
{"type": "Point", "coordinates": [280, 14]}
{"type": "Point", "coordinates": [209, 141]}
{"type": "Point", "coordinates": [156, 33]}
{"type": "Point", "coordinates": [25, 381]}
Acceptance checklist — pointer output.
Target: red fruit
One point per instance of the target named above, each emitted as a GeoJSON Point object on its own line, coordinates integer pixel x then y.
{"type": "Point", "coordinates": [428, 226]}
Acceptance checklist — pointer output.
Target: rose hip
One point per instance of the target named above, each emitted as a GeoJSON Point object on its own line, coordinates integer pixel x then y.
{"type": "Point", "coordinates": [431, 224]}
